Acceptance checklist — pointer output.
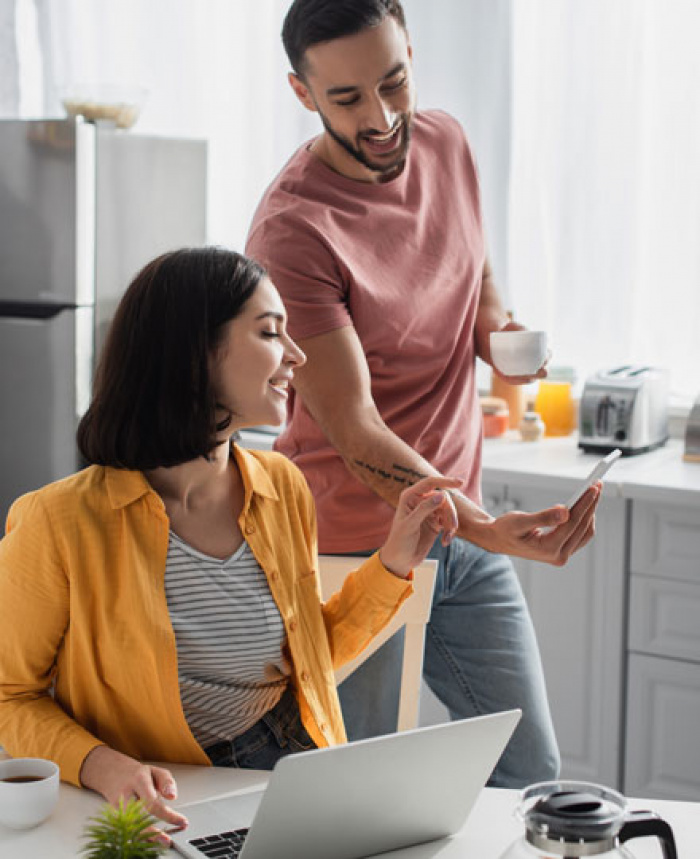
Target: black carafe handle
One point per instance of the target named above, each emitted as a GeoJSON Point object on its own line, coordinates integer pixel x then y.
{"type": "Point", "coordinates": [639, 824]}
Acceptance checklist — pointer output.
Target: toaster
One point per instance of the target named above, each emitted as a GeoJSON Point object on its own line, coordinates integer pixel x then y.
{"type": "Point", "coordinates": [626, 407]}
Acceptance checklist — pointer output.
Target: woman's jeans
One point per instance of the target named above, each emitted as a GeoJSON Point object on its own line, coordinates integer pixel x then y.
{"type": "Point", "coordinates": [279, 733]}
{"type": "Point", "coordinates": [481, 656]}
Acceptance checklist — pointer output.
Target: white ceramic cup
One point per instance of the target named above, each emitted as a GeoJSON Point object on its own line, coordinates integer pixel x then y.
{"type": "Point", "coordinates": [24, 804]}
{"type": "Point", "coordinates": [518, 353]}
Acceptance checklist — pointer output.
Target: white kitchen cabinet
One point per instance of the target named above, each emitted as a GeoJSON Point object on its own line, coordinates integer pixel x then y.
{"type": "Point", "coordinates": [578, 611]}
{"type": "Point", "coordinates": [579, 615]}
{"type": "Point", "coordinates": [663, 702]}
{"type": "Point", "coordinates": [663, 718]}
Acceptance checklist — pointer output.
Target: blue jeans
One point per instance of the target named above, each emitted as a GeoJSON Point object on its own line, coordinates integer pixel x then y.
{"type": "Point", "coordinates": [279, 733]}
{"type": "Point", "coordinates": [481, 656]}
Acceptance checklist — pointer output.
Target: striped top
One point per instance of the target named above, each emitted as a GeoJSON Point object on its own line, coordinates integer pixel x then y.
{"type": "Point", "coordinates": [230, 637]}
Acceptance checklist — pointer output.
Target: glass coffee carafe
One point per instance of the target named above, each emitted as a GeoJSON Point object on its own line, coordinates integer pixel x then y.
{"type": "Point", "coordinates": [571, 819]}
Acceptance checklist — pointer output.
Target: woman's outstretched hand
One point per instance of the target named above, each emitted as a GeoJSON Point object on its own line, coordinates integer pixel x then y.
{"type": "Point", "coordinates": [424, 510]}
{"type": "Point", "coordinates": [119, 777]}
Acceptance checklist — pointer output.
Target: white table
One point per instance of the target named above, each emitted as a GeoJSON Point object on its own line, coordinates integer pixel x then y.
{"type": "Point", "coordinates": [490, 828]}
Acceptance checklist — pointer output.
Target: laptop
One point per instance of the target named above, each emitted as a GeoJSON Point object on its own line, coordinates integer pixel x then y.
{"type": "Point", "coordinates": [355, 800]}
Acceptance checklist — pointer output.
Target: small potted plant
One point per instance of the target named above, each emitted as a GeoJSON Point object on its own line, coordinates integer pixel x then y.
{"type": "Point", "coordinates": [122, 833]}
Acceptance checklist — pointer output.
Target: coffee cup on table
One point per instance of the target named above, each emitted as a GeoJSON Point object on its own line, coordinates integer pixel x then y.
{"type": "Point", "coordinates": [518, 353]}
{"type": "Point", "coordinates": [28, 791]}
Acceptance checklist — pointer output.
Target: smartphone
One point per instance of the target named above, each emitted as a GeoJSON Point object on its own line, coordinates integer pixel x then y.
{"type": "Point", "coordinates": [597, 472]}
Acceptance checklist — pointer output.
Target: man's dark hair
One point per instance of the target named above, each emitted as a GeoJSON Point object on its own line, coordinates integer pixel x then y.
{"type": "Point", "coordinates": [153, 403]}
{"type": "Point", "coordinates": [309, 22]}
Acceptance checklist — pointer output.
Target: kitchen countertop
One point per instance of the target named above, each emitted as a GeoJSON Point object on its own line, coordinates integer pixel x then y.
{"type": "Point", "coordinates": [660, 476]}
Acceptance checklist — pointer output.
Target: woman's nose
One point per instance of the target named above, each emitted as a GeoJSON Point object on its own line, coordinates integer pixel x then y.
{"type": "Point", "coordinates": [294, 354]}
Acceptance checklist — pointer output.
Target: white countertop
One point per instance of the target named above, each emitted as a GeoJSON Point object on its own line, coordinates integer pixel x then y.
{"type": "Point", "coordinates": [491, 826]}
{"type": "Point", "coordinates": [557, 463]}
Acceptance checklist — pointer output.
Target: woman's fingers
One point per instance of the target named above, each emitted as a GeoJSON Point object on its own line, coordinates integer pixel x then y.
{"type": "Point", "coordinates": [426, 484]}
{"type": "Point", "coordinates": [437, 510]}
{"type": "Point", "coordinates": [427, 509]}
{"type": "Point", "coordinates": [159, 809]}
{"type": "Point", "coordinates": [164, 782]}
{"type": "Point", "coordinates": [430, 487]}
{"type": "Point", "coordinates": [424, 510]}
{"type": "Point", "coordinates": [148, 789]}
{"type": "Point", "coordinates": [159, 836]}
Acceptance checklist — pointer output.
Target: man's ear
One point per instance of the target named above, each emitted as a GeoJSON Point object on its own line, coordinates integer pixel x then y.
{"type": "Point", "coordinates": [301, 91]}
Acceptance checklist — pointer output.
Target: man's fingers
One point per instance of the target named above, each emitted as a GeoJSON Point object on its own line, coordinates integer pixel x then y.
{"type": "Point", "coordinates": [584, 519]}
{"type": "Point", "coordinates": [545, 521]}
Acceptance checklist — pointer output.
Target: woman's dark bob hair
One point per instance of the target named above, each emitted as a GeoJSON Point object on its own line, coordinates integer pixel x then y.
{"type": "Point", "coordinates": [152, 402]}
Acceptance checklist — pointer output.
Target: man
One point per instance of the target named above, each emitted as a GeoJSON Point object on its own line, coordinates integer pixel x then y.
{"type": "Point", "coordinates": [373, 235]}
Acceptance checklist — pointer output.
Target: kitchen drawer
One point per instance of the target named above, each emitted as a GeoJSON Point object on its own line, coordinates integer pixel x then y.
{"type": "Point", "coordinates": [665, 541]}
{"type": "Point", "coordinates": [663, 715]}
{"type": "Point", "coordinates": [665, 617]}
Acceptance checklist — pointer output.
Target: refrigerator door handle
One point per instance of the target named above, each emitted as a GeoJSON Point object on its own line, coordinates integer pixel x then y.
{"type": "Point", "coordinates": [31, 310]}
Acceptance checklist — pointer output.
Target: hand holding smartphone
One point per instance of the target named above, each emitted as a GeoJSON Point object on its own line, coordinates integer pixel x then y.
{"type": "Point", "coordinates": [597, 472]}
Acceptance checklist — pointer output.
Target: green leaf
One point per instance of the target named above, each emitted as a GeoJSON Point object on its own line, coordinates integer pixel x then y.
{"type": "Point", "coordinates": [121, 833]}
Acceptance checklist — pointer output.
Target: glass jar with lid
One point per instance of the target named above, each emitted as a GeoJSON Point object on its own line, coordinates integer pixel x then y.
{"type": "Point", "coordinates": [495, 415]}
{"type": "Point", "coordinates": [531, 425]}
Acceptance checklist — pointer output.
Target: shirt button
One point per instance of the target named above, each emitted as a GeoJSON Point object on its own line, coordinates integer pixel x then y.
{"type": "Point", "coordinates": [250, 529]}
{"type": "Point", "coordinates": [324, 727]}
{"type": "Point", "coordinates": [273, 576]}
{"type": "Point", "coordinates": [305, 676]}
{"type": "Point", "coordinates": [292, 626]}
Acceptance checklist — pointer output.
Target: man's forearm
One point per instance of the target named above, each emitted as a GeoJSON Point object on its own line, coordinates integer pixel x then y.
{"type": "Point", "coordinates": [335, 387]}
{"type": "Point", "coordinates": [387, 465]}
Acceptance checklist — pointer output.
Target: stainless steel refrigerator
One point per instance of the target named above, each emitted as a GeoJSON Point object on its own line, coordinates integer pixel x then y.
{"type": "Point", "coordinates": [82, 209]}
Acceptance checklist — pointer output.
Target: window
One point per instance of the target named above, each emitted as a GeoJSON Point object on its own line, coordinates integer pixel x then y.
{"type": "Point", "coordinates": [584, 117]}
{"type": "Point", "coordinates": [593, 204]}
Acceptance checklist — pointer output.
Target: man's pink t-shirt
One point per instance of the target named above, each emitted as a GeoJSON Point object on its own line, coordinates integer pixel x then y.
{"type": "Point", "coordinates": [402, 261]}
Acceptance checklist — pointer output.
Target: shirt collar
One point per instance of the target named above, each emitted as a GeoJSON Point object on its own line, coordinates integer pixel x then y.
{"type": "Point", "coordinates": [255, 476]}
{"type": "Point", "coordinates": [125, 486]}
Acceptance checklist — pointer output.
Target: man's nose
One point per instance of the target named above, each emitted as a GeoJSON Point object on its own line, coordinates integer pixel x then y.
{"type": "Point", "coordinates": [380, 116]}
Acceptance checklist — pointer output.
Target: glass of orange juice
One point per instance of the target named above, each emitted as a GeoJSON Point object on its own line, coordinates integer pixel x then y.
{"type": "Point", "coordinates": [555, 401]}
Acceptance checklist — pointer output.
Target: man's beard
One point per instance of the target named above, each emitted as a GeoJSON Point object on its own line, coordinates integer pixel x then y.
{"type": "Point", "coordinates": [385, 168]}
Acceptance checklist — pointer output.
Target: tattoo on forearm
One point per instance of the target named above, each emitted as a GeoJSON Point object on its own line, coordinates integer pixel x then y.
{"type": "Point", "coordinates": [405, 476]}
{"type": "Point", "coordinates": [418, 475]}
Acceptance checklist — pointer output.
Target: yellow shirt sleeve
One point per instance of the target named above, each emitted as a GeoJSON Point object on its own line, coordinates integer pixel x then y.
{"type": "Point", "coordinates": [34, 618]}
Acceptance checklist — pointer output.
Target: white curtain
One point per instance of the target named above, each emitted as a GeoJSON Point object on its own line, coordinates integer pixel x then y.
{"type": "Point", "coordinates": [604, 198]}
{"type": "Point", "coordinates": [584, 116]}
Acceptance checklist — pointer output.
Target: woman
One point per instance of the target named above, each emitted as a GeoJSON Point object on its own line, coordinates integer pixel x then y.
{"type": "Point", "coordinates": [163, 604]}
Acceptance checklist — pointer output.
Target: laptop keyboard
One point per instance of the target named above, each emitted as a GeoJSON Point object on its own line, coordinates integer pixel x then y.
{"type": "Point", "coordinates": [225, 845]}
